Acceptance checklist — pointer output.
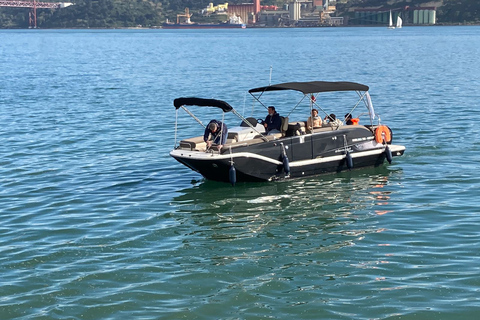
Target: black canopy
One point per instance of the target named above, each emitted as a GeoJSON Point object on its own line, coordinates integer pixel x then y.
{"type": "Point", "coordinates": [202, 103]}
{"type": "Point", "coordinates": [313, 87]}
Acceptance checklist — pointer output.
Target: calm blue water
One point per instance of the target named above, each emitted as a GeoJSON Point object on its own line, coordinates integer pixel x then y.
{"type": "Point", "coordinates": [98, 222]}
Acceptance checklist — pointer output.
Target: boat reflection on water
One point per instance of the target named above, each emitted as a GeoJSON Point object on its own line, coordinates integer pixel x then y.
{"type": "Point", "coordinates": [288, 241]}
{"type": "Point", "coordinates": [319, 206]}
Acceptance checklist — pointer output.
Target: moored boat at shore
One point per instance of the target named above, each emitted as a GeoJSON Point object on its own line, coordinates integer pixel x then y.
{"type": "Point", "coordinates": [202, 26]}
{"type": "Point", "coordinates": [234, 22]}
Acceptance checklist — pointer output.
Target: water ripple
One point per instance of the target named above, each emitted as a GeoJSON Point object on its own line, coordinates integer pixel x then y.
{"type": "Point", "coordinates": [98, 222]}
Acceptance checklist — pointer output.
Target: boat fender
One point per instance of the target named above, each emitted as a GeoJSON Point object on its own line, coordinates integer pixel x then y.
{"type": "Point", "coordinates": [286, 165]}
{"type": "Point", "coordinates": [383, 134]}
{"type": "Point", "coordinates": [349, 158]}
{"type": "Point", "coordinates": [232, 175]}
{"type": "Point", "coordinates": [388, 153]}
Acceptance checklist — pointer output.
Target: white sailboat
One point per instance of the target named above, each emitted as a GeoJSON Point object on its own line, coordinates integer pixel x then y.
{"type": "Point", "coordinates": [390, 22]}
{"type": "Point", "coordinates": [399, 22]}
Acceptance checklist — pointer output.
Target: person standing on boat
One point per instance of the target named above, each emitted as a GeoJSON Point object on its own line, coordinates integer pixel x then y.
{"type": "Point", "coordinates": [218, 132]}
{"type": "Point", "coordinates": [272, 122]}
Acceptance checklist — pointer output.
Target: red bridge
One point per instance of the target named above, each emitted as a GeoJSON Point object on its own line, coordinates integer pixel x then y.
{"type": "Point", "coordinates": [33, 5]}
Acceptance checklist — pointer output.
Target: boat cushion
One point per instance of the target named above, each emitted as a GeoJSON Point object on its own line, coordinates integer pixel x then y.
{"type": "Point", "coordinates": [194, 143]}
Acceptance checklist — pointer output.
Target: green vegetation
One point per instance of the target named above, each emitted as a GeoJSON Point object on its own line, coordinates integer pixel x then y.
{"type": "Point", "coordinates": [460, 11]}
{"type": "Point", "coordinates": [89, 14]}
{"type": "Point", "coordinates": [148, 13]}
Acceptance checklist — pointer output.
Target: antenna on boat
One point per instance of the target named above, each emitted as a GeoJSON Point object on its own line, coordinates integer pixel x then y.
{"type": "Point", "coordinates": [270, 82]}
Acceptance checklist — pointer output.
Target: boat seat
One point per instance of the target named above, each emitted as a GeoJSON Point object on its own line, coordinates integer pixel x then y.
{"type": "Point", "coordinates": [195, 143]}
{"type": "Point", "coordinates": [246, 143]}
{"type": "Point", "coordinates": [256, 140]}
{"type": "Point", "coordinates": [284, 126]}
{"type": "Point", "coordinates": [302, 124]}
{"type": "Point", "coordinates": [296, 128]}
{"type": "Point", "coordinates": [276, 135]}
{"type": "Point", "coordinates": [326, 128]}
{"type": "Point", "coordinates": [251, 120]}
{"type": "Point", "coordinates": [230, 141]}
{"type": "Point", "coordinates": [283, 129]}
{"type": "Point", "coordinates": [232, 136]}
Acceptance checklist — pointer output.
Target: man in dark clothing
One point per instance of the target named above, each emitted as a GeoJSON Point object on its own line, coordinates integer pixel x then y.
{"type": "Point", "coordinates": [272, 122]}
{"type": "Point", "coordinates": [218, 132]}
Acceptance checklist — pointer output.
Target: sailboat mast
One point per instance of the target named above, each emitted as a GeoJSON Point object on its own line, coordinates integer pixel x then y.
{"type": "Point", "coordinates": [390, 21]}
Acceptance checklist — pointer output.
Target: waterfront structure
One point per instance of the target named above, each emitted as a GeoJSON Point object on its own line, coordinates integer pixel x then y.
{"type": "Point", "coordinates": [33, 5]}
{"type": "Point", "coordinates": [294, 9]}
{"type": "Point", "coordinates": [380, 16]}
{"type": "Point", "coordinates": [302, 13]}
{"type": "Point", "coordinates": [184, 22]}
{"type": "Point", "coordinates": [424, 16]}
{"type": "Point", "coordinates": [215, 9]}
{"type": "Point", "coordinates": [246, 11]}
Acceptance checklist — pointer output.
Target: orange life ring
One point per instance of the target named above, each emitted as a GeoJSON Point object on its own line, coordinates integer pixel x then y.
{"type": "Point", "coordinates": [383, 133]}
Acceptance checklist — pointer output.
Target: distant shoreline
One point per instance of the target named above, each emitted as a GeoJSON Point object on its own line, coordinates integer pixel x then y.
{"type": "Point", "coordinates": [257, 27]}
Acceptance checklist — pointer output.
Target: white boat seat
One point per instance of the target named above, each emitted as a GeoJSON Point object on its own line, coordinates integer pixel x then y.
{"type": "Point", "coordinates": [192, 143]}
{"type": "Point", "coordinates": [276, 135]}
{"type": "Point", "coordinates": [230, 141]}
{"type": "Point", "coordinates": [247, 142]}
{"type": "Point", "coordinates": [326, 128]}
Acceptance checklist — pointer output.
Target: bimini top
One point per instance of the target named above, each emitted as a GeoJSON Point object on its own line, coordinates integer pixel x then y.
{"type": "Point", "coordinates": [202, 103]}
{"type": "Point", "coordinates": [313, 87]}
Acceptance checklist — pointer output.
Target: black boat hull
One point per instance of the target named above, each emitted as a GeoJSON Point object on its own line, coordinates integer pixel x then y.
{"type": "Point", "coordinates": [308, 155]}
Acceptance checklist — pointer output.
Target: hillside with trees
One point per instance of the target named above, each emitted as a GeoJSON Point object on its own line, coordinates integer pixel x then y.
{"type": "Point", "coordinates": [89, 14]}
{"type": "Point", "coordinates": [149, 13]}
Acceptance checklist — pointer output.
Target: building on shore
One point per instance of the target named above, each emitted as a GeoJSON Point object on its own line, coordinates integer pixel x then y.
{"type": "Point", "coordinates": [380, 16]}
{"type": "Point", "coordinates": [297, 13]}
{"type": "Point", "coordinates": [320, 13]}
{"type": "Point", "coordinates": [247, 11]}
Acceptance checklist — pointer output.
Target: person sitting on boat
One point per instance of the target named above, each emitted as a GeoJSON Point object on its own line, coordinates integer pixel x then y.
{"type": "Point", "coordinates": [272, 122]}
{"type": "Point", "coordinates": [314, 121]}
{"type": "Point", "coordinates": [332, 121]}
{"type": "Point", "coordinates": [218, 132]}
{"type": "Point", "coordinates": [349, 120]}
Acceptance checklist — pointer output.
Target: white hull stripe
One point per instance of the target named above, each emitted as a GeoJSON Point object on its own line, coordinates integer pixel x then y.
{"type": "Point", "coordinates": [204, 156]}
